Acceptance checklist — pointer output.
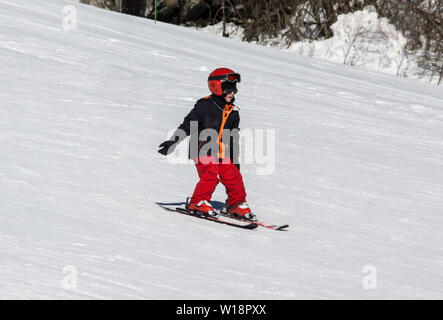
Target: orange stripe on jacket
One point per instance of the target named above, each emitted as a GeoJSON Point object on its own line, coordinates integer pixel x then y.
{"type": "Point", "coordinates": [226, 112]}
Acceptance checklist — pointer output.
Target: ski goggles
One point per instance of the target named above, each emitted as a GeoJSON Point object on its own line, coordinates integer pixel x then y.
{"type": "Point", "coordinates": [231, 77]}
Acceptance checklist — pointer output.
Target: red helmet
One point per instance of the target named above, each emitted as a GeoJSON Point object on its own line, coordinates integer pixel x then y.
{"type": "Point", "coordinates": [220, 75]}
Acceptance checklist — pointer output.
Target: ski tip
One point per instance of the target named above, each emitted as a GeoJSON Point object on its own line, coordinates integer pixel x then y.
{"type": "Point", "coordinates": [283, 227]}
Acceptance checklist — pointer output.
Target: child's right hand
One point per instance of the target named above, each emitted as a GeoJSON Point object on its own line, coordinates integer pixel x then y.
{"type": "Point", "coordinates": [167, 147]}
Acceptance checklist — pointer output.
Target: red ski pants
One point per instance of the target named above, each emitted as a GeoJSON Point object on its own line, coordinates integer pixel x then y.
{"type": "Point", "coordinates": [211, 173]}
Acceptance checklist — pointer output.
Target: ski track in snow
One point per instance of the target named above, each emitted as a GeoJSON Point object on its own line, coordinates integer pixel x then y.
{"type": "Point", "coordinates": [358, 175]}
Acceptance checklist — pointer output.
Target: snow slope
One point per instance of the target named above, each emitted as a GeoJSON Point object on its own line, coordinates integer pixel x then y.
{"type": "Point", "coordinates": [358, 172]}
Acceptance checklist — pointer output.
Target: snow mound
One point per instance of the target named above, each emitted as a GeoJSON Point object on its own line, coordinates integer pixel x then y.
{"type": "Point", "coordinates": [363, 39]}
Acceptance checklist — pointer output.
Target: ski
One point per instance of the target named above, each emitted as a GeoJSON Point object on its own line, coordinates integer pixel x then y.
{"type": "Point", "coordinates": [250, 225]}
{"type": "Point", "coordinates": [258, 222]}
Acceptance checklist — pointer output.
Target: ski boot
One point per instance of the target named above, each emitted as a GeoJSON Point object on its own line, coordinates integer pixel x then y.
{"type": "Point", "coordinates": [203, 207]}
{"type": "Point", "coordinates": [242, 212]}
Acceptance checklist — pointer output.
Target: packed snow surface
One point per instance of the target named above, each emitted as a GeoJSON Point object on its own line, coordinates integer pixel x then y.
{"type": "Point", "coordinates": [358, 172]}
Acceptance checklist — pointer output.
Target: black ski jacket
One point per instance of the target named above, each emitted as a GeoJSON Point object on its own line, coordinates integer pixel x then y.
{"type": "Point", "coordinates": [208, 114]}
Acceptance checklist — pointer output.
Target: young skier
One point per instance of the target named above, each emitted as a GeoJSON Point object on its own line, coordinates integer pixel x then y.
{"type": "Point", "coordinates": [214, 115]}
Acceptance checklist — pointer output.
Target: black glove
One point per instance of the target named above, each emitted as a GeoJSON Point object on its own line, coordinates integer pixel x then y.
{"type": "Point", "coordinates": [167, 147]}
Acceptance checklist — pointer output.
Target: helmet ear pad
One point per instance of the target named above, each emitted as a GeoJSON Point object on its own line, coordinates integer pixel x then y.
{"type": "Point", "coordinates": [215, 86]}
